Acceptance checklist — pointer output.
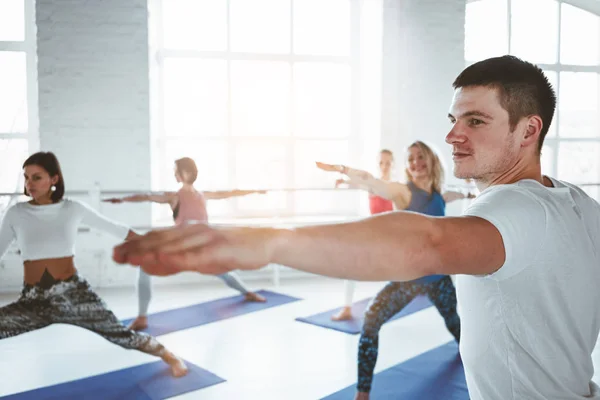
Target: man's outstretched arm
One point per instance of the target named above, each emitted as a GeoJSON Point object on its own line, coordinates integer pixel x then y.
{"type": "Point", "coordinates": [394, 246]}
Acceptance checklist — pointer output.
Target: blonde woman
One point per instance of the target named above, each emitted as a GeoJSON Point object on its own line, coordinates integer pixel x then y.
{"type": "Point", "coordinates": [423, 194]}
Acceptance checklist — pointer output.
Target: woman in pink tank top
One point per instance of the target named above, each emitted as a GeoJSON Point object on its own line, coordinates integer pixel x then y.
{"type": "Point", "coordinates": [188, 206]}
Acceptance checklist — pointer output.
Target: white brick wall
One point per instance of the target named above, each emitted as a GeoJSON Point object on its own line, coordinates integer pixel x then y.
{"type": "Point", "coordinates": [94, 112]}
{"type": "Point", "coordinates": [423, 42]}
{"type": "Point", "coordinates": [94, 90]}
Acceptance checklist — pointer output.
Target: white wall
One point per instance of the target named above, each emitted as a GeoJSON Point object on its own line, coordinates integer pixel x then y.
{"type": "Point", "coordinates": [94, 92]}
{"type": "Point", "coordinates": [423, 52]}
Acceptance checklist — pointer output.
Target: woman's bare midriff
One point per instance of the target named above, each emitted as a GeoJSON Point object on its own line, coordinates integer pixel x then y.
{"type": "Point", "coordinates": [60, 268]}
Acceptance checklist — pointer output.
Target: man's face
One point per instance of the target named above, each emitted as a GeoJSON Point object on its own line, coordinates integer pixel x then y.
{"type": "Point", "coordinates": [483, 146]}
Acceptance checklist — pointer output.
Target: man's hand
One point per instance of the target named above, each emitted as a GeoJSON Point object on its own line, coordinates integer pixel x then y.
{"type": "Point", "coordinates": [113, 200]}
{"type": "Point", "coordinates": [200, 248]}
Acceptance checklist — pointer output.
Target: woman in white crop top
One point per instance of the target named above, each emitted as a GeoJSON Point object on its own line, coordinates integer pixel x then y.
{"type": "Point", "coordinates": [45, 229]}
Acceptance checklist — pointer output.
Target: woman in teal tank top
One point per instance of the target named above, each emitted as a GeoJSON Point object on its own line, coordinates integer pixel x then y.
{"type": "Point", "coordinates": [422, 194]}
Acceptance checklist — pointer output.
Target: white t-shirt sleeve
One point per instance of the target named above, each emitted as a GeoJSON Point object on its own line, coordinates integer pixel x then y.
{"type": "Point", "coordinates": [521, 221]}
{"type": "Point", "coordinates": [7, 232]}
{"type": "Point", "coordinates": [94, 219]}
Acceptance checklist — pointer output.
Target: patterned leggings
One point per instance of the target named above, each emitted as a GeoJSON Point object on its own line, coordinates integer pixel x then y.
{"type": "Point", "coordinates": [73, 302]}
{"type": "Point", "coordinates": [390, 301]}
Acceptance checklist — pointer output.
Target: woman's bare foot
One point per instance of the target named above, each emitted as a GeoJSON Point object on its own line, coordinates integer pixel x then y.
{"type": "Point", "coordinates": [344, 315]}
{"type": "Point", "coordinates": [251, 296]}
{"type": "Point", "coordinates": [139, 323]}
{"type": "Point", "coordinates": [361, 396]}
{"type": "Point", "coordinates": [178, 367]}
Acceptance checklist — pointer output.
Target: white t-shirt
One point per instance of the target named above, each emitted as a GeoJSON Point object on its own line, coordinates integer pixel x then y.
{"type": "Point", "coordinates": [49, 231]}
{"type": "Point", "coordinates": [528, 330]}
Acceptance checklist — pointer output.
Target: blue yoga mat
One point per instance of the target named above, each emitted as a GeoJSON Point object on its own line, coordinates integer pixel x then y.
{"type": "Point", "coordinates": [354, 325]}
{"type": "Point", "coordinates": [152, 381]}
{"type": "Point", "coordinates": [178, 319]}
{"type": "Point", "coordinates": [435, 375]}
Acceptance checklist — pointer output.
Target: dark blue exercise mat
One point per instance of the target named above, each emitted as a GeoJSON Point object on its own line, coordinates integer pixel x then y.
{"type": "Point", "coordinates": [178, 319]}
{"type": "Point", "coordinates": [152, 381]}
{"type": "Point", "coordinates": [435, 375]}
{"type": "Point", "coordinates": [354, 325]}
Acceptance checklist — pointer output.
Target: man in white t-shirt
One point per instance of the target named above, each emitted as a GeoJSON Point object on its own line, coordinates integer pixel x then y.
{"type": "Point", "coordinates": [526, 250]}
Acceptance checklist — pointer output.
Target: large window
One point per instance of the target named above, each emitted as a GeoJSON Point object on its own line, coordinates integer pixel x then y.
{"type": "Point", "coordinates": [18, 104]}
{"type": "Point", "coordinates": [565, 42]}
{"type": "Point", "coordinates": [255, 91]}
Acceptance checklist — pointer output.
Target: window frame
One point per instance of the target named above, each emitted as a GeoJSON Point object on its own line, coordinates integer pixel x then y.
{"type": "Point", "coordinates": [554, 142]}
{"type": "Point", "coordinates": [161, 176]}
{"type": "Point", "coordinates": [29, 47]}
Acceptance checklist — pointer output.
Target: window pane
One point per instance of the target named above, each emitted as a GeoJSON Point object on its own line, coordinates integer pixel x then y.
{"type": "Point", "coordinates": [307, 152]}
{"type": "Point", "coordinates": [13, 152]}
{"type": "Point", "coordinates": [322, 96]}
{"type": "Point", "coordinates": [261, 165]}
{"type": "Point", "coordinates": [553, 78]}
{"type": "Point", "coordinates": [539, 45]}
{"type": "Point", "coordinates": [212, 163]}
{"type": "Point", "coordinates": [13, 92]}
{"type": "Point", "coordinates": [260, 101]}
{"type": "Point", "coordinates": [260, 26]}
{"type": "Point", "coordinates": [486, 29]}
{"type": "Point", "coordinates": [307, 175]}
{"type": "Point", "coordinates": [593, 191]}
{"type": "Point", "coordinates": [578, 104]}
{"type": "Point", "coordinates": [580, 36]}
{"type": "Point", "coordinates": [579, 162]}
{"type": "Point", "coordinates": [547, 160]}
{"type": "Point", "coordinates": [12, 20]}
{"type": "Point", "coordinates": [322, 27]}
{"type": "Point", "coordinates": [337, 202]}
{"type": "Point", "coordinates": [195, 97]}
{"type": "Point", "coordinates": [194, 24]}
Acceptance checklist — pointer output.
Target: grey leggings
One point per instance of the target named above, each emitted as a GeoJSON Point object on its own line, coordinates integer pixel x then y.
{"type": "Point", "coordinates": [73, 302]}
{"type": "Point", "coordinates": [145, 288]}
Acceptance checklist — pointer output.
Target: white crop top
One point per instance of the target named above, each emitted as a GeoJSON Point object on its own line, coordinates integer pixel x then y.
{"type": "Point", "coordinates": [49, 231]}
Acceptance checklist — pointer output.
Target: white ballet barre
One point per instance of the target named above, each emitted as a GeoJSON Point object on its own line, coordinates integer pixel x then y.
{"type": "Point", "coordinates": [587, 184]}
{"type": "Point", "coordinates": [151, 192]}
{"type": "Point", "coordinates": [97, 189]}
{"type": "Point", "coordinates": [96, 194]}
{"type": "Point", "coordinates": [277, 222]}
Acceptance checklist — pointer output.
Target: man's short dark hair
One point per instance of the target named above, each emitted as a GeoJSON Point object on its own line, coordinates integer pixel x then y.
{"type": "Point", "coordinates": [523, 88]}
